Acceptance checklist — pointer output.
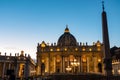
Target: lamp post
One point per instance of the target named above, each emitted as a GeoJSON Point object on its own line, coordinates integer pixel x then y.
{"type": "Point", "coordinates": [68, 69]}
{"type": "Point", "coordinates": [75, 64]}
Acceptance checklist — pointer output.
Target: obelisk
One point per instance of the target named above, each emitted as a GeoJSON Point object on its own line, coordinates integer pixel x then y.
{"type": "Point", "coordinates": [106, 45]}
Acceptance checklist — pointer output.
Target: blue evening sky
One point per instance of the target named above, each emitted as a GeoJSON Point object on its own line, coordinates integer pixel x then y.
{"type": "Point", "coordinates": [24, 23]}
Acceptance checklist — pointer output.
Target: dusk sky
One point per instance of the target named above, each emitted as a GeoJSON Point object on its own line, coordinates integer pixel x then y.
{"type": "Point", "coordinates": [24, 23]}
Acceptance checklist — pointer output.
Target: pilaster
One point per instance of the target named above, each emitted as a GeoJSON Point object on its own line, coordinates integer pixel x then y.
{"type": "Point", "coordinates": [4, 64]}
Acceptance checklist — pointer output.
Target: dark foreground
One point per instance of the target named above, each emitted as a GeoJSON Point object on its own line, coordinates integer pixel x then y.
{"type": "Point", "coordinates": [82, 77]}
{"type": "Point", "coordinates": [72, 77]}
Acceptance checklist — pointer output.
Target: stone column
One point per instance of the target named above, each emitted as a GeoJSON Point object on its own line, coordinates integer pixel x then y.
{"type": "Point", "coordinates": [38, 70]}
{"type": "Point", "coordinates": [27, 69]}
{"type": "Point", "coordinates": [49, 63]}
{"type": "Point", "coordinates": [88, 64]}
{"type": "Point", "coordinates": [81, 68]}
{"type": "Point", "coordinates": [54, 64]}
{"type": "Point", "coordinates": [61, 63]}
{"type": "Point", "coordinates": [9, 65]}
{"type": "Point", "coordinates": [95, 62]}
{"type": "Point", "coordinates": [17, 70]}
{"type": "Point", "coordinates": [16, 67]}
{"type": "Point", "coordinates": [4, 64]}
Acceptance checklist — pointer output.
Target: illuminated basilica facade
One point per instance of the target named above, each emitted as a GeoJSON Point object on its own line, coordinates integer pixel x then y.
{"type": "Point", "coordinates": [69, 56]}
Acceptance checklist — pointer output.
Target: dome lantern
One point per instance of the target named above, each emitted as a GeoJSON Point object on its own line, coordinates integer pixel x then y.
{"type": "Point", "coordinates": [66, 29]}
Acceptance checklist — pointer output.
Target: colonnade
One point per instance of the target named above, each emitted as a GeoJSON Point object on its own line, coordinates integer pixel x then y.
{"type": "Point", "coordinates": [5, 65]}
{"type": "Point", "coordinates": [11, 65]}
{"type": "Point", "coordinates": [84, 64]}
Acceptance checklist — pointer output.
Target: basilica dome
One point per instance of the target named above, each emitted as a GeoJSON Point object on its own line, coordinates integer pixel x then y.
{"type": "Point", "coordinates": [67, 39]}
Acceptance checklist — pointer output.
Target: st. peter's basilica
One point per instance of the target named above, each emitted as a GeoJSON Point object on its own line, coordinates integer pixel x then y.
{"type": "Point", "coordinates": [69, 56]}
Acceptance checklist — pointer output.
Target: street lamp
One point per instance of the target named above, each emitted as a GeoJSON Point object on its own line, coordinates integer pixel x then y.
{"type": "Point", "coordinates": [75, 63]}
{"type": "Point", "coordinates": [68, 68]}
